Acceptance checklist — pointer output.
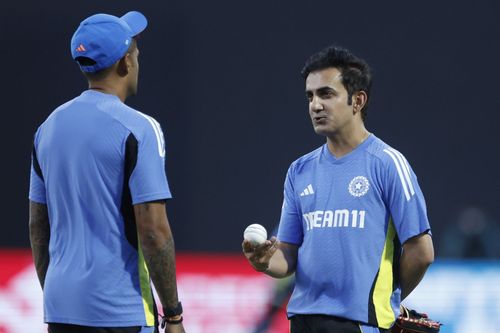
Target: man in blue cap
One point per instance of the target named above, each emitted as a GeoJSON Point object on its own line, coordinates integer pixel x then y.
{"type": "Point", "coordinates": [98, 225]}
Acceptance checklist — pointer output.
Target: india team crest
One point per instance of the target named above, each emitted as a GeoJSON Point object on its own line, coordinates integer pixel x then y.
{"type": "Point", "coordinates": [359, 186]}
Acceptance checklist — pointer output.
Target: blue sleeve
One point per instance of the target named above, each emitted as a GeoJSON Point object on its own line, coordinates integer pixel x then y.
{"type": "Point", "coordinates": [290, 228]}
{"type": "Point", "coordinates": [37, 186]}
{"type": "Point", "coordinates": [148, 181]}
{"type": "Point", "coordinates": [404, 197]}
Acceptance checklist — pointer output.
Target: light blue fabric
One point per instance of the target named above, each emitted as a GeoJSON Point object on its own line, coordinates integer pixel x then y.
{"type": "Point", "coordinates": [93, 275]}
{"type": "Point", "coordinates": [147, 329]}
{"type": "Point", "coordinates": [338, 211]}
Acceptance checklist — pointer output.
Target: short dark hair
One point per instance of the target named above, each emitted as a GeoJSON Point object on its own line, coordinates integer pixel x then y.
{"type": "Point", "coordinates": [93, 76]}
{"type": "Point", "coordinates": [356, 74]}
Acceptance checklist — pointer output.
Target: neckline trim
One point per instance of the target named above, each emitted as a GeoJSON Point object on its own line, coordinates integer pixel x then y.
{"type": "Point", "coordinates": [349, 156]}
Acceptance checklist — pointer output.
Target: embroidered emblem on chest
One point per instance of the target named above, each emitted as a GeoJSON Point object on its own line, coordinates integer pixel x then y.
{"type": "Point", "coordinates": [359, 186]}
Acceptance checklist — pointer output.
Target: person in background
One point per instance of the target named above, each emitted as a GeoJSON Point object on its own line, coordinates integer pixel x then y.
{"type": "Point", "coordinates": [473, 235]}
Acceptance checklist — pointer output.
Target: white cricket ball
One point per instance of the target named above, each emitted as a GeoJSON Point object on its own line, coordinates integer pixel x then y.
{"type": "Point", "coordinates": [255, 234]}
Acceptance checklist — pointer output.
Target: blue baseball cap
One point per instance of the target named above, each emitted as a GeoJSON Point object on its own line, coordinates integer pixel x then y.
{"type": "Point", "coordinates": [105, 38]}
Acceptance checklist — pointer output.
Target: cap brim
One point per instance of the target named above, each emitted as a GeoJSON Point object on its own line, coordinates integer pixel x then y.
{"type": "Point", "coordinates": [136, 21]}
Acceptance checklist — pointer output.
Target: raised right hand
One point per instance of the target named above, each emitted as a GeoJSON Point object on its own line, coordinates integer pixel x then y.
{"type": "Point", "coordinates": [259, 256]}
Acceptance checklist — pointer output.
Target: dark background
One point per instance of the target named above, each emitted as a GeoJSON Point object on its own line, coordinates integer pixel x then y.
{"type": "Point", "coordinates": [223, 80]}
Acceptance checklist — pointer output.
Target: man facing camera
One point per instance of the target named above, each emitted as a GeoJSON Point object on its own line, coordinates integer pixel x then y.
{"type": "Point", "coordinates": [354, 226]}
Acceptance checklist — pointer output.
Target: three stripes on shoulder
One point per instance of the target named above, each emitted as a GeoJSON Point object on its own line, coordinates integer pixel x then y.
{"type": "Point", "coordinates": [403, 171]}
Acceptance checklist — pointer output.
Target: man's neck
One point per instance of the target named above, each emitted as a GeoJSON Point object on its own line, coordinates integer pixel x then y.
{"type": "Point", "coordinates": [108, 89]}
{"type": "Point", "coordinates": [341, 144]}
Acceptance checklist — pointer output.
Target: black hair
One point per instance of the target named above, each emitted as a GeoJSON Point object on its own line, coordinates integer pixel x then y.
{"type": "Point", "coordinates": [356, 74]}
{"type": "Point", "coordinates": [102, 73]}
{"type": "Point", "coordinates": [85, 61]}
{"type": "Point", "coordinates": [99, 75]}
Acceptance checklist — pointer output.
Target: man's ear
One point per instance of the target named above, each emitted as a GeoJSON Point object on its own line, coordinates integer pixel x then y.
{"type": "Point", "coordinates": [124, 65]}
{"type": "Point", "coordinates": [359, 100]}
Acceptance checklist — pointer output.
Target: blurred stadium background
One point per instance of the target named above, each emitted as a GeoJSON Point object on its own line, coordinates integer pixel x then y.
{"type": "Point", "coordinates": [223, 80]}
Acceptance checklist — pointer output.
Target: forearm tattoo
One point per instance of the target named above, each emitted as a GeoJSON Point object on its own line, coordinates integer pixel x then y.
{"type": "Point", "coordinates": [161, 265]}
{"type": "Point", "coordinates": [39, 227]}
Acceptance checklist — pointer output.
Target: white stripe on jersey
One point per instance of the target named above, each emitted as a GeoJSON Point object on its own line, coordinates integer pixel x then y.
{"type": "Point", "coordinates": [162, 138]}
{"type": "Point", "coordinates": [405, 167]}
{"type": "Point", "coordinates": [158, 133]}
{"type": "Point", "coordinates": [400, 173]}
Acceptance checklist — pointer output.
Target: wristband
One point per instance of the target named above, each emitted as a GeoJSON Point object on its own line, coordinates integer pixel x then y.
{"type": "Point", "coordinates": [172, 312]}
{"type": "Point", "coordinates": [171, 320]}
{"type": "Point", "coordinates": [172, 316]}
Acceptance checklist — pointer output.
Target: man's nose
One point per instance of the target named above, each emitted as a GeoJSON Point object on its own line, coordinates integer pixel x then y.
{"type": "Point", "coordinates": [316, 104]}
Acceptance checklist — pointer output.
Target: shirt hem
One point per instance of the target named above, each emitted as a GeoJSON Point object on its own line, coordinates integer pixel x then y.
{"type": "Point", "coordinates": [291, 241]}
{"type": "Point", "coordinates": [121, 323]}
{"type": "Point", "coordinates": [425, 231]}
{"type": "Point", "coordinates": [38, 200]}
{"type": "Point", "coordinates": [151, 197]}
